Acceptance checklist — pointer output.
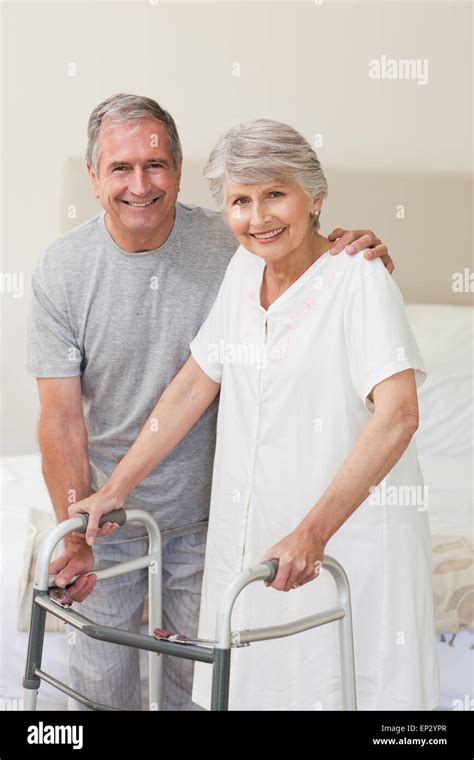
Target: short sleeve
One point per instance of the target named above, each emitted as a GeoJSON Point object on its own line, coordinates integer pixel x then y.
{"type": "Point", "coordinates": [207, 346]}
{"type": "Point", "coordinates": [379, 340]}
{"type": "Point", "coordinates": [52, 349]}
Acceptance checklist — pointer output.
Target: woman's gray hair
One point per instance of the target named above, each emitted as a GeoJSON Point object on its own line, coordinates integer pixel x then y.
{"type": "Point", "coordinates": [122, 109]}
{"type": "Point", "coordinates": [261, 151]}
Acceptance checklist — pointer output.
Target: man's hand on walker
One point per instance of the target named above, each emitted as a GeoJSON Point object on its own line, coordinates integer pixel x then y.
{"type": "Point", "coordinates": [77, 559]}
{"type": "Point", "coordinates": [96, 505]}
{"type": "Point", "coordinates": [357, 240]}
{"type": "Point", "coordinates": [300, 557]}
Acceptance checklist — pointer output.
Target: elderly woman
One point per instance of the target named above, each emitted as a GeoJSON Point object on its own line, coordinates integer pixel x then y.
{"type": "Point", "coordinates": [317, 368]}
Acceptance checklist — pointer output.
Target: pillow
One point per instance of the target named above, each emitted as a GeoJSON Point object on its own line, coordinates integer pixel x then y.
{"type": "Point", "coordinates": [444, 334]}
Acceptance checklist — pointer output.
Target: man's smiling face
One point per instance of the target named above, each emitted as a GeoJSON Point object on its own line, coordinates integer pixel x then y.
{"type": "Point", "coordinates": [136, 183]}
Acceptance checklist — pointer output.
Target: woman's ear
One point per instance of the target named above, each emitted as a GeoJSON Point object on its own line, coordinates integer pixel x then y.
{"type": "Point", "coordinates": [317, 203]}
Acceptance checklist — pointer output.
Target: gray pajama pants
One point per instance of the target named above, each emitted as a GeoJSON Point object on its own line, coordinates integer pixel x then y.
{"type": "Point", "coordinates": [109, 673]}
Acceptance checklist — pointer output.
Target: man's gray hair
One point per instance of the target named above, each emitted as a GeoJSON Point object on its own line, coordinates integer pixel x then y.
{"type": "Point", "coordinates": [261, 151]}
{"type": "Point", "coordinates": [122, 109]}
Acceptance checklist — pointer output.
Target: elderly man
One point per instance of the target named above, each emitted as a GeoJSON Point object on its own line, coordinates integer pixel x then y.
{"type": "Point", "coordinates": [115, 305]}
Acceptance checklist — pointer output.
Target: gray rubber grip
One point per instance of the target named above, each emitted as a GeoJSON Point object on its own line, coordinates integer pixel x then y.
{"type": "Point", "coordinates": [273, 565]}
{"type": "Point", "coordinates": [116, 516]}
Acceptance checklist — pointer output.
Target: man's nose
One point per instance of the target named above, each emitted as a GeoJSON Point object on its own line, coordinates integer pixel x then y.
{"type": "Point", "coordinates": [139, 184]}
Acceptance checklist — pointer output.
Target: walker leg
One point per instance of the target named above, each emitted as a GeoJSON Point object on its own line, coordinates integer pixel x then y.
{"type": "Point", "coordinates": [220, 680]}
{"type": "Point", "coordinates": [155, 661]}
{"type": "Point", "coordinates": [29, 700]}
{"type": "Point", "coordinates": [346, 648]}
{"type": "Point", "coordinates": [31, 682]}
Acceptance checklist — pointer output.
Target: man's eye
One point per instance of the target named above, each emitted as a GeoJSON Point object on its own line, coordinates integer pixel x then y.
{"type": "Point", "coordinates": [119, 168]}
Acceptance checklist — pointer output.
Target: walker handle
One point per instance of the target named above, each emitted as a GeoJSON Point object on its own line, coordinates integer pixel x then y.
{"type": "Point", "coordinates": [273, 569]}
{"type": "Point", "coordinates": [116, 516]}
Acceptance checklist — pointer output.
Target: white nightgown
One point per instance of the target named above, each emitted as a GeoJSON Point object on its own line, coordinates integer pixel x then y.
{"type": "Point", "coordinates": [294, 385]}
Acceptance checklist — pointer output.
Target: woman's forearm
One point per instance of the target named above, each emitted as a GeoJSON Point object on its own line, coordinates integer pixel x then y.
{"type": "Point", "coordinates": [179, 408]}
{"type": "Point", "coordinates": [378, 448]}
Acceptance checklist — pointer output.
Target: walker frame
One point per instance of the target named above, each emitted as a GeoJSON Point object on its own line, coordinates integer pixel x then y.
{"type": "Point", "coordinates": [218, 655]}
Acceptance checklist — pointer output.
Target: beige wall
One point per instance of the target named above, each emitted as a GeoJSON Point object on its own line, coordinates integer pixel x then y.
{"type": "Point", "coordinates": [385, 144]}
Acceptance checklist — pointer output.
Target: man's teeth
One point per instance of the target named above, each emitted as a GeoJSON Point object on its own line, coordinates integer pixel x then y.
{"type": "Point", "coordinates": [269, 234]}
{"type": "Point", "coordinates": [140, 205]}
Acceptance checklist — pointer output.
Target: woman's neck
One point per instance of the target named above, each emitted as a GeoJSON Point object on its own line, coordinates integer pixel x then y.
{"type": "Point", "coordinates": [281, 274]}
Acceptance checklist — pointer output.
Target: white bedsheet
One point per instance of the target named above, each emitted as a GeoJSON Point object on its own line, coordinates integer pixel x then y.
{"type": "Point", "coordinates": [445, 437]}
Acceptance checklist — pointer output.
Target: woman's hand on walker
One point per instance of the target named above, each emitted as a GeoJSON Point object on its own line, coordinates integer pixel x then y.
{"type": "Point", "coordinates": [300, 557]}
{"type": "Point", "coordinates": [96, 505]}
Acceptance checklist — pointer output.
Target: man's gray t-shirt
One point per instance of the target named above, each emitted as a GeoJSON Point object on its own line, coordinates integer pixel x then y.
{"type": "Point", "coordinates": [124, 322]}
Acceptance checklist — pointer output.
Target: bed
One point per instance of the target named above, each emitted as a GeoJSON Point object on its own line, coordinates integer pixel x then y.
{"type": "Point", "coordinates": [445, 448]}
{"type": "Point", "coordinates": [444, 441]}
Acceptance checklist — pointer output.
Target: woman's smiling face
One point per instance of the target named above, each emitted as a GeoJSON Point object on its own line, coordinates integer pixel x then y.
{"type": "Point", "coordinates": [270, 219]}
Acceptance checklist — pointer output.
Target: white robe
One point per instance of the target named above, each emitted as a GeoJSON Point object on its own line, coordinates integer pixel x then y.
{"type": "Point", "coordinates": [294, 385]}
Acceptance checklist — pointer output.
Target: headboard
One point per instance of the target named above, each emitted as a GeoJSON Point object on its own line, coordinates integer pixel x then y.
{"type": "Point", "coordinates": [424, 217]}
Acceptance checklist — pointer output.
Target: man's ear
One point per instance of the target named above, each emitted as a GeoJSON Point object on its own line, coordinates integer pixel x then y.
{"type": "Point", "coordinates": [178, 171]}
{"type": "Point", "coordinates": [93, 178]}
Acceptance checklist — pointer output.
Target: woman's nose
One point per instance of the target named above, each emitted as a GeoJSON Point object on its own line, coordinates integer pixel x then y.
{"type": "Point", "coordinates": [258, 216]}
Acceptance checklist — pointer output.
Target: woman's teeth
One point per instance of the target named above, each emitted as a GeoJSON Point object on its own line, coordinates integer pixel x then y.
{"type": "Point", "coordinates": [266, 235]}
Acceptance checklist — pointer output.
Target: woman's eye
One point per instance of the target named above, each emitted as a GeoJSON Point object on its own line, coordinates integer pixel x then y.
{"type": "Point", "coordinates": [241, 201]}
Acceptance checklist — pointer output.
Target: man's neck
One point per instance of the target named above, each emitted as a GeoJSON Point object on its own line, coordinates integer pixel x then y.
{"type": "Point", "coordinates": [140, 243]}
